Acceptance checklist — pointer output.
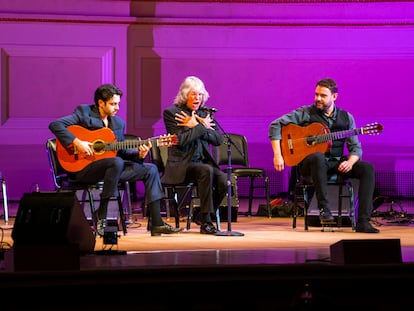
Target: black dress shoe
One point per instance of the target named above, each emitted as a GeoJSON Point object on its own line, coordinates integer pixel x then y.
{"type": "Point", "coordinates": [165, 228]}
{"type": "Point", "coordinates": [208, 228]}
{"type": "Point", "coordinates": [325, 217]}
{"type": "Point", "coordinates": [365, 227]}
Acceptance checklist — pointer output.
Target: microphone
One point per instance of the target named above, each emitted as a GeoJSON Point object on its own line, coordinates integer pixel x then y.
{"type": "Point", "coordinates": [209, 110]}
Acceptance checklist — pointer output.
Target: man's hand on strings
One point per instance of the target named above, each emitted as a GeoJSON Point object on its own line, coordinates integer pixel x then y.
{"type": "Point", "coordinates": [83, 147]}
{"type": "Point", "coordinates": [144, 149]}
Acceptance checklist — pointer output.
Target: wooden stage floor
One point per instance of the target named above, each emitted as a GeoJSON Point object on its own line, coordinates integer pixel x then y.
{"type": "Point", "coordinates": [270, 266]}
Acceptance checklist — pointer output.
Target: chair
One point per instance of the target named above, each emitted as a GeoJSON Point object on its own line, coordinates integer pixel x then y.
{"type": "Point", "coordinates": [177, 194]}
{"type": "Point", "coordinates": [304, 189]}
{"type": "Point", "coordinates": [62, 182]}
{"type": "Point", "coordinates": [3, 191]}
{"type": "Point", "coordinates": [241, 168]}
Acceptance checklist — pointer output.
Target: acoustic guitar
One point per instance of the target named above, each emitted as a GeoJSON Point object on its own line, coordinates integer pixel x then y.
{"type": "Point", "coordinates": [300, 141]}
{"type": "Point", "coordinates": [104, 145]}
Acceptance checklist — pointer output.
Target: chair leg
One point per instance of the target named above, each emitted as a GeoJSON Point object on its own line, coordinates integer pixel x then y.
{"type": "Point", "coordinates": [167, 201]}
{"type": "Point", "coordinates": [149, 219]}
{"type": "Point", "coordinates": [5, 201]}
{"type": "Point", "coordinates": [129, 203]}
{"type": "Point", "coordinates": [305, 197]}
{"type": "Point", "coordinates": [350, 196]}
{"type": "Point", "coordinates": [176, 208]}
{"type": "Point", "coordinates": [249, 212]}
{"type": "Point", "coordinates": [121, 214]}
{"type": "Point", "coordinates": [218, 221]}
{"type": "Point", "coordinates": [179, 203]}
{"type": "Point", "coordinates": [171, 195]}
{"type": "Point", "coordinates": [351, 206]}
{"type": "Point", "coordinates": [190, 215]}
{"type": "Point", "coordinates": [269, 208]}
{"type": "Point", "coordinates": [92, 206]}
{"type": "Point", "coordinates": [340, 197]}
{"type": "Point", "coordinates": [306, 204]}
{"type": "Point", "coordinates": [295, 207]}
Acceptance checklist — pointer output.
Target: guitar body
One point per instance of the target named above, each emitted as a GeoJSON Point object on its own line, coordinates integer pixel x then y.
{"type": "Point", "coordinates": [71, 161]}
{"type": "Point", "coordinates": [294, 143]}
{"type": "Point", "coordinates": [103, 144]}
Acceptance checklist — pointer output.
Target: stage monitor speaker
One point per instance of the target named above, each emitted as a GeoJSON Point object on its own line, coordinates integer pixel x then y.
{"type": "Point", "coordinates": [373, 251]}
{"type": "Point", "coordinates": [52, 218]}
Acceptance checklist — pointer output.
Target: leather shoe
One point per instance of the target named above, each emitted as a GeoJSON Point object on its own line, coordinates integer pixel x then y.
{"type": "Point", "coordinates": [165, 228]}
{"type": "Point", "coordinates": [365, 227]}
{"type": "Point", "coordinates": [325, 217]}
{"type": "Point", "coordinates": [208, 228]}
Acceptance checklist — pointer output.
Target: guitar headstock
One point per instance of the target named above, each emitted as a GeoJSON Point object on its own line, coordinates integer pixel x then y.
{"type": "Point", "coordinates": [167, 140]}
{"type": "Point", "coordinates": [372, 129]}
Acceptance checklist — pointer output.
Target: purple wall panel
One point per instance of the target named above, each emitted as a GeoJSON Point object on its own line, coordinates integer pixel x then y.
{"type": "Point", "coordinates": [51, 86]}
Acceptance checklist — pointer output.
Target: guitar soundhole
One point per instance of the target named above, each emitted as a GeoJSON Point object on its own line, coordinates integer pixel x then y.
{"type": "Point", "coordinates": [310, 140]}
{"type": "Point", "coordinates": [98, 147]}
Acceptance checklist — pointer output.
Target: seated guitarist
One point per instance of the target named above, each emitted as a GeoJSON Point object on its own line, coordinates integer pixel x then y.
{"type": "Point", "coordinates": [319, 164]}
{"type": "Point", "coordinates": [125, 165]}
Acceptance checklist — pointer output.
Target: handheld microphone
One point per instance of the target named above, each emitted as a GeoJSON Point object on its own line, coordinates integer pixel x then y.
{"type": "Point", "coordinates": [209, 110]}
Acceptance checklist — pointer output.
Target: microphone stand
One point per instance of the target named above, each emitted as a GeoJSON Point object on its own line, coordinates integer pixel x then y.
{"type": "Point", "coordinates": [229, 143]}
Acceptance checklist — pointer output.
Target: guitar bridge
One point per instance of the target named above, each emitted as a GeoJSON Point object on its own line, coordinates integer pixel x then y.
{"type": "Point", "coordinates": [290, 144]}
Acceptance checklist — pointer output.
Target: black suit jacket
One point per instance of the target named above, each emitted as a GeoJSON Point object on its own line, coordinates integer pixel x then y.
{"type": "Point", "coordinates": [180, 155]}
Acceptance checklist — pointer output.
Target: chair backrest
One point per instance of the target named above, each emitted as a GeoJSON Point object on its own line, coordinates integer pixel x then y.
{"type": "Point", "coordinates": [237, 159]}
{"type": "Point", "coordinates": [131, 137]}
{"type": "Point", "coordinates": [58, 173]}
{"type": "Point", "coordinates": [158, 156]}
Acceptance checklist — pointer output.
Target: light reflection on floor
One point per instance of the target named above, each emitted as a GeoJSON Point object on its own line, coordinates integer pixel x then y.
{"type": "Point", "coordinates": [279, 256]}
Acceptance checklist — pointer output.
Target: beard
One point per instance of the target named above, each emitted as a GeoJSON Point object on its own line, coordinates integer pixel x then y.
{"type": "Point", "coordinates": [321, 107]}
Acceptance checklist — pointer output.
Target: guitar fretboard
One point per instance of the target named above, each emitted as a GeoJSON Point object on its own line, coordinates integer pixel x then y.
{"type": "Point", "coordinates": [323, 138]}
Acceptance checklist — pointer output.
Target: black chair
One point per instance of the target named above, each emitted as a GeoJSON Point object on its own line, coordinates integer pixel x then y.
{"type": "Point", "coordinates": [62, 182]}
{"type": "Point", "coordinates": [241, 168]}
{"type": "Point", "coordinates": [304, 190]}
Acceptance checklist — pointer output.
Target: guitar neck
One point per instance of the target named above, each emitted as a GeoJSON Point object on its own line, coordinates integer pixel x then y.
{"type": "Point", "coordinates": [103, 144]}
{"type": "Point", "coordinates": [323, 138]}
{"type": "Point", "coordinates": [129, 144]}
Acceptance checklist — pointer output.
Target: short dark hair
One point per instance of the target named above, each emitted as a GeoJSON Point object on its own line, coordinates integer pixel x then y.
{"type": "Point", "coordinates": [105, 92]}
{"type": "Point", "coordinates": [328, 83]}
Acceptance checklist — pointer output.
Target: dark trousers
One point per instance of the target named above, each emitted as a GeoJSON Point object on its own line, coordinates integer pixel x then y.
{"type": "Point", "coordinates": [211, 183]}
{"type": "Point", "coordinates": [319, 167]}
{"type": "Point", "coordinates": [113, 170]}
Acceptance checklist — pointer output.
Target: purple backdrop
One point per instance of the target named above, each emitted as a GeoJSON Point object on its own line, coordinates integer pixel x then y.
{"type": "Point", "coordinates": [258, 60]}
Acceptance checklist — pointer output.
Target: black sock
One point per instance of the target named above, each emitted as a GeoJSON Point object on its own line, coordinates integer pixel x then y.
{"type": "Point", "coordinates": [205, 218]}
{"type": "Point", "coordinates": [154, 209]}
{"type": "Point", "coordinates": [102, 211]}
